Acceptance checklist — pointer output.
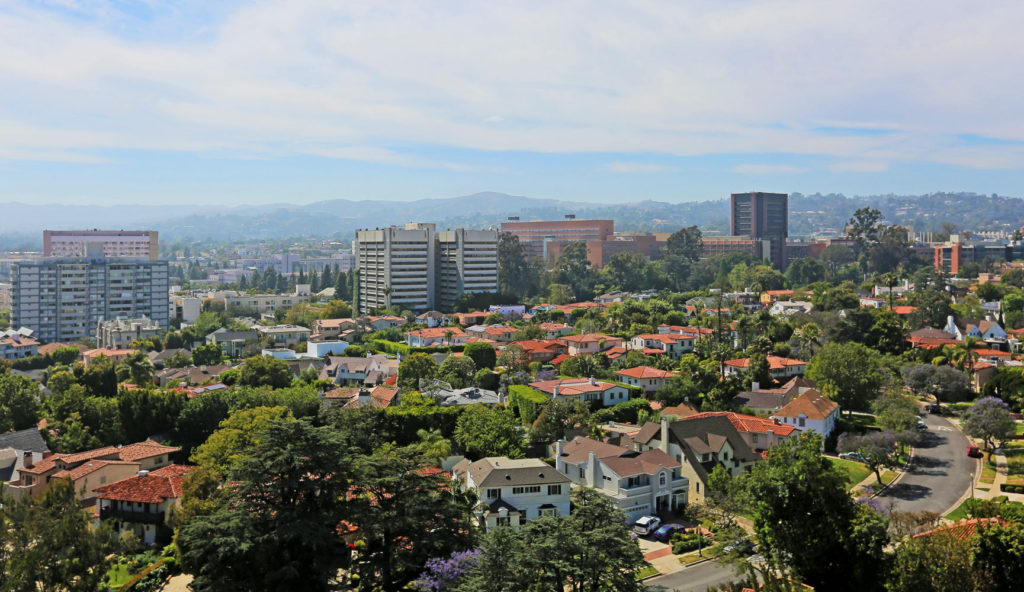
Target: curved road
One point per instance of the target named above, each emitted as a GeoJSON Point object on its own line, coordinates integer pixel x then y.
{"type": "Point", "coordinates": [942, 472]}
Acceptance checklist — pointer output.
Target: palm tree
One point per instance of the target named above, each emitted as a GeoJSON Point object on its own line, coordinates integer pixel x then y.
{"type": "Point", "coordinates": [139, 368]}
{"type": "Point", "coordinates": [433, 445]}
{"type": "Point", "coordinates": [966, 354]}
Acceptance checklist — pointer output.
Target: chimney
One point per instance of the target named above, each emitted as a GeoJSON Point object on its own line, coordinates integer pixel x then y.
{"type": "Point", "coordinates": [554, 392]}
{"type": "Point", "coordinates": [593, 381]}
{"type": "Point", "coordinates": [663, 446]}
{"type": "Point", "coordinates": [27, 462]}
{"type": "Point", "coordinates": [755, 386]}
{"type": "Point", "coordinates": [591, 470]}
{"type": "Point", "coordinates": [143, 473]}
{"type": "Point", "coordinates": [559, 464]}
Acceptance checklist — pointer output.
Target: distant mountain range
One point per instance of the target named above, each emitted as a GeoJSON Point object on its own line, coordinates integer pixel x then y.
{"type": "Point", "coordinates": [22, 224]}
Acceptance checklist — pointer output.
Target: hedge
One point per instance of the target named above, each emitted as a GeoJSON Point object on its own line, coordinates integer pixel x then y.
{"type": "Point", "coordinates": [1012, 487]}
{"type": "Point", "coordinates": [392, 347]}
{"type": "Point", "coordinates": [526, 400]}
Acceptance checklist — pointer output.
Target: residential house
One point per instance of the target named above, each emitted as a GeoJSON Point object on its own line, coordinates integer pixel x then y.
{"type": "Point", "coordinates": [790, 307]}
{"type": "Point", "coordinates": [368, 371]}
{"type": "Point", "coordinates": [18, 449]}
{"type": "Point", "coordinates": [498, 333]}
{"type": "Point", "coordinates": [511, 492]}
{"type": "Point", "coordinates": [436, 337]}
{"type": "Point", "coordinates": [555, 330]}
{"type": "Point", "coordinates": [646, 377]}
{"type": "Point", "coordinates": [142, 503]}
{"type": "Point", "coordinates": [759, 433]}
{"type": "Point", "coordinates": [542, 350]}
{"type": "Point", "coordinates": [931, 337]}
{"type": "Point", "coordinates": [192, 375]}
{"type": "Point", "coordinates": [470, 318]}
{"type": "Point", "coordinates": [589, 343]}
{"type": "Point", "coordinates": [121, 332]}
{"type": "Point", "coordinates": [768, 401]}
{"type": "Point", "coordinates": [780, 368]}
{"type": "Point", "coordinates": [433, 318]}
{"type": "Point", "coordinates": [589, 390]}
{"type": "Point", "coordinates": [382, 322]}
{"type": "Point", "coordinates": [90, 469]}
{"type": "Point", "coordinates": [15, 347]}
{"type": "Point", "coordinates": [159, 358]}
{"type": "Point", "coordinates": [676, 411]}
{"type": "Point", "coordinates": [671, 344]}
{"type": "Point", "coordinates": [331, 329]}
{"type": "Point", "coordinates": [639, 483]}
{"type": "Point", "coordinates": [449, 397]}
{"type": "Point", "coordinates": [987, 330]}
{"type": "Point", "coordinates": [232, 342]}
{"type": "Point", "coordinates": [810, 410]}
{"type": "Point", "coordinates": [114, 355]}
{"type": "Point", "coordinates": [699, 445]}
{"type": "Point", "coordinates": [353, 397]}
{"type": "Point", "coordinates": [868, 302]}
{"type": "Point", "coordinates": [284, 335]}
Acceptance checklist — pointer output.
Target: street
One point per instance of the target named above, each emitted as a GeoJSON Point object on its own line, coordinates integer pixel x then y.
{"type": "Point", "coordinates": [693, 579]}
{"type": "Point", "coordinates": [941, 472]}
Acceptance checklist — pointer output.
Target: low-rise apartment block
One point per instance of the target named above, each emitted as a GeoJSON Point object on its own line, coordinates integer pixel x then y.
{"type": "Point", "coordinates": [120, 333]}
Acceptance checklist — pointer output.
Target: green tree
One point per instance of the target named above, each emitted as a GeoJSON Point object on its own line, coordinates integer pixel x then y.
{"type": "Point", "coordinates": [138, 369]}
{"type": "Point", "coordinates": [264, 371]}
{"type": "Point", "coordinates": [989, 420]}
{"type": "Point", "coordinates": [515, 275]}
{"type": "Point", "coordinates": [48, 544]}
{"type": "Point", "coordinates": [807, 522]}
{"type": "Point", "coordinates": [850, 373]}
{"type": "Point", "coordinates": [802, 272]}
{"type": "Point", "coordinates": [457, 371]}
{"type": "Point", "coordinates": [336, 309]}
{"type": "Point", "coordinates": [279, 533]}
{"type": "Point", "coordinates": [416, 367]}
{"type": "Point", "coordinates": [938, 562]}
{"type": "Point", "coordinates": [482, 431]}
{"type": "Point", "coordinates": [208, 355]}
{"type": "Point", "coordinates": [482, 354]}
{"type": "Point", "coordinates": [242, 431]}
{"type": "Point", "coordinates": [998, 557]}
{"type": "Point", "coordinates": [557, 417]}
{"type": "Point", "coordinates": [19, 402]}
{"type": "Point", "coordinates": [404, 516]}
{"type": "Point", "coordinates": [65, 355]}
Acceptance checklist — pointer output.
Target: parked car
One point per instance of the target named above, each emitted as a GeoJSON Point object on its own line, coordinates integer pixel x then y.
{"type": "Point", "coordinates": [922, 426]}
{"type": "Point", "coordinates": [854, 456]}
{"type": "Point", "coordinates": [741, 546]}
{"type": "Point", "coordinates": [645, 525]}
{"type": "Point", "coordinates": [973, 451]}
{"type": "Point", "coordinates": [664, 533]}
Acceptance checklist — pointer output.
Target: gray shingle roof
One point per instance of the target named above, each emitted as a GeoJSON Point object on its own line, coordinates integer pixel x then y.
{"type": "Point", "coordinates": [28, 439]}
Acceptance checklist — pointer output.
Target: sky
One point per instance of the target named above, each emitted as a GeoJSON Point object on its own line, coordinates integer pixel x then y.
{"type": "Point", "coordinates": [154, 102]}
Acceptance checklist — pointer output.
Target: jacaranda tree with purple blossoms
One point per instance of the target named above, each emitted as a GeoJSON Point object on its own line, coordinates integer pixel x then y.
{"type": "Point", "coordinates": [989, 419]}
{"type": "Point", "coordinates": [444, 574]}
{"type": "Point", "coordinates": [876, 449]}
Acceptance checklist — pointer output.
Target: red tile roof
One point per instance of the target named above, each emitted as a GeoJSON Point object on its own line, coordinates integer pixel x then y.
{"type": "Point", "coordinates": [156, 487]}
{"type": "Point", "coordinates": [749, 423]}
{"type": "Point", "coordinates": [438, 332]}
{"type": "Point", "coordinates": [774, 362]}
{"type": "Point", "coordinates": [146, 449]}
{"type": "Point", "coordinates": [568, 387]}
{"type": "Point", "coordinates": [963, 529]}
{"type": "Point", "coordinates": [645, 372]}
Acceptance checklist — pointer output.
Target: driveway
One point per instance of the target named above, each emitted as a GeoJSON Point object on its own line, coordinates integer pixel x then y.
{"type": "Point", "coordinates": [942, 472]}
{"type": "Point", "coordinates": [696, 578]}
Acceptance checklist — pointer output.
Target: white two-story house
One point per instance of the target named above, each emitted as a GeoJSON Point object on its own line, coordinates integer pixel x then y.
{"type": "Point", "coordinates": [646, 377]}
{"type": "Point", "coordinates": [810, 410]}
{"type": "Point", "coordinates": [672, 345]}
{"type": "Point", "coordinates": [640, 483]}
{"type": "Point", "coordinates": [513, 491]}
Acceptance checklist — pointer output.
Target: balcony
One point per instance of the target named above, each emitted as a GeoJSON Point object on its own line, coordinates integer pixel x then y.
{"type": "Point", "coordinates": [132, 516]}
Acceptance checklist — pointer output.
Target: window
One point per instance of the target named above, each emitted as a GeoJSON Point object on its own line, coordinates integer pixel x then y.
{"type": "Point", "coordinates": [803, 421]}
{"type": "Point", "coordinates": [496, 492]}
{"type": "Point", "coordinates": [754, 437]}
{"type": "Point", "coordinates": [581, 472]}
{"type": "Point", "coordinates": [529, 489]}
{"type": "Point", "coordinates": [662, 479]}
{"type": "Point", "coordinates": [548, 512]}
{"type": "Point", "coordinates": [103, 479]}
{"type": "Point", "coordinates": [554, 490]}
{"type": "Point", "coordinates": [506, 521]}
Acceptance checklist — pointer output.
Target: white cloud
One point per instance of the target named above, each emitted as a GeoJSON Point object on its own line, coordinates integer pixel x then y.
{"type": "Point", "coordinates": [639, 167]}
{"type": "Point", "coordinates": [766, 169]}
{"type": "Point", "coordinates": [757, 78]}
{"type": "Point", "coordinates": [863, 166]}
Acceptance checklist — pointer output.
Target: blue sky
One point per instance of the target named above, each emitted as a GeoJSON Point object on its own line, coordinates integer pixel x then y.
{"type": "Point", "coordinates": [264, 102]}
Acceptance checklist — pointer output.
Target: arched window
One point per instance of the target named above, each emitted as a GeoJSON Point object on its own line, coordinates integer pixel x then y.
{"type": "Point", "coordinates": [662, 479]}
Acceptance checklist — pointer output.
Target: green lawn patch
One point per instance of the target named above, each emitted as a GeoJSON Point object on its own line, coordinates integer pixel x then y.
{"type": "Point", "coordinates": [888, 476]}
{"type": "Point", "coordinates": [1014, 459]}
{"type": "Point", "coordinates": [854, 472]}
{"type": "Point", "coordinates": [117, 575]}
{"type": "Point", "coordinates": [691, 558]}
{"type": "Point", "coordinates": [988, 473]}
{"type": "Point", "coordinates": [960, 512]}
{"type": "Point", "coordinates": [646, 572]}
{"type": "Point", "coordinates": [1020, 427]}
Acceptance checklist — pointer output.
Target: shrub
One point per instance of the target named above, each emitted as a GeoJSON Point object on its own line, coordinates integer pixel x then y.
{"type": "Point", "coordinates": [526, 401]}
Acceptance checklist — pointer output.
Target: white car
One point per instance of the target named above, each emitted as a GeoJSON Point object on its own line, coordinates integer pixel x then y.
{"type": "Point", "coordinates": [645, 525]}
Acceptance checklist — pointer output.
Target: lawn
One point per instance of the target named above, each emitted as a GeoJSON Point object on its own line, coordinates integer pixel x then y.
{"type": "Point", "coordinates": [118, 575]}
{"type": "Point", "coordinates": [888, 476]}
{"type": "Point", "coordinates": [960, 512]}
{"type": "Point", "coordinates": [1014, 459]}
{"type": "Point", "coordinates": [853, 471]}
{"type": "Point", "coordinates": [646, 572]}
{"type": "Point", "coordinates": [988, 473]}
{"type": "Point", "coordinates": [1020, 427]}
{"type": "Point", "coordinates": [692, 558]}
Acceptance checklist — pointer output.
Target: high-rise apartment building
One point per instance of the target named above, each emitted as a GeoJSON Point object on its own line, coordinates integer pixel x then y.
{"type": "Point", "coordinates": [134, 244]}
{"type": "Point", "coordinates": [65, 299]}
{"type": "Point", "coordinates": [467, 261]}
{"type": "Point", "coordinates": [762, 216]}
{"type": "Point", "coordinates": [418, 268]}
